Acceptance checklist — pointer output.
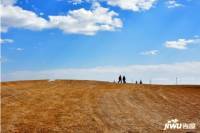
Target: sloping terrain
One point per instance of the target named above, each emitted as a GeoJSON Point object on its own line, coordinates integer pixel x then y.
{"type": "Point", "coordinates": [95, 107]}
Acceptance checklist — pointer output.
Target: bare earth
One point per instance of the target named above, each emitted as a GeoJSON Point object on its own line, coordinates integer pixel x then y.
{"type": "Point", "coordinates": [95, 107]}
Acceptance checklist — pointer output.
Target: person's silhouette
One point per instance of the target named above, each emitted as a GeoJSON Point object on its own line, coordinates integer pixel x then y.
{"type": "Point", "coordinates": [124, 79]}
{"type": "Point", "coordinates": [120, 79]}
{"type": "Point", "coordinates": [136, 82]}
{"type": "Point", "coordinates": [140, 81]}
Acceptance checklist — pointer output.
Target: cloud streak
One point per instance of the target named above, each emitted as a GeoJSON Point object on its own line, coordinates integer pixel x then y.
{"type": "Point", "coordinates": [173, 4]}
{"type": "Point", "coordinates": [150, 52]}
{"type": "Point", "coordinates": [19, 49]}
{"type": "Point", "coordinates": [181, 44]}
{"type": "Point", "coordinates": [2, 41]}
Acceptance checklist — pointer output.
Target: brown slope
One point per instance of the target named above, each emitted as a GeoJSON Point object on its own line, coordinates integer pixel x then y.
{"type": "Point", "coordinates": [90, 106]}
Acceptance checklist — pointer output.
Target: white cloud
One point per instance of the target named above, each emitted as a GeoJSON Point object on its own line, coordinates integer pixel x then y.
{"type": "Point", "coordinates": [2, 41]}
{"type": "Point", "coordinates": [187, 73]}
{"type": "Point", "coordinates": [151, 52]}
{"type": "Point", "coordinates": [134, 5]}
{"type": "Point", "coordinates": [80, 21]}
{"type": "Point", "coordinates": [173, 4]}
{"type": "Point", "coordinates": [87, 22]}
{"type": "Point", "coordinates": [181, 43]}
{"type": "Point", "coordinates": [16, 17]}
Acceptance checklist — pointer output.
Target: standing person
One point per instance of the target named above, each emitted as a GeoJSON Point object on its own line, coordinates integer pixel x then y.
{"type": "Point", "coordinates": [124, 79]}
{"type": "Point", "coordinates": [140, 81]}
{"type": "Point", "coordinates": [136, 82]}
{"type": "Point", "coordinates": [120, 79]}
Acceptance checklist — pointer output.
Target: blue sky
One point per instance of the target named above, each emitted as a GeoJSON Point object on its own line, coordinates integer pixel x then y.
{"type": "Point", "coordinates": [39, 37]}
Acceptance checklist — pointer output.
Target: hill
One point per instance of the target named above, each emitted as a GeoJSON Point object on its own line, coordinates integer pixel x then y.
{"type": "Point", "coordinates": [74, 106]}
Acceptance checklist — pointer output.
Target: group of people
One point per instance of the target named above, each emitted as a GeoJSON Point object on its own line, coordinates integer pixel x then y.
{"type": "Point", "coordinates": [123, 80]}
{"type": "Point", "coordinates": [136, 82]}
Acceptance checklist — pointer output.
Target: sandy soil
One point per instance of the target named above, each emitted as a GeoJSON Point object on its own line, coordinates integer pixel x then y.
{"type": "Point", "coordinates": [95, 107]}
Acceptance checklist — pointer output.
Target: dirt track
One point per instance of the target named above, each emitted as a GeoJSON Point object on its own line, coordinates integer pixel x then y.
{"type": "Point", "coordinates": [89, 107]}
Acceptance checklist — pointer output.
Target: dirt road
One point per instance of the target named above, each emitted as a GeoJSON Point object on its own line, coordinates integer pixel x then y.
{"type": "Point", "coordinates": [95, 107]}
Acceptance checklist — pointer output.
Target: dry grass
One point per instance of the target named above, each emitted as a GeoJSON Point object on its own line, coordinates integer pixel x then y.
{"type": "Point", "coordinates": [95, 107]}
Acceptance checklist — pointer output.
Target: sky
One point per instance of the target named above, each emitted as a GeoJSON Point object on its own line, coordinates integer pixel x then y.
{"type": "Point", "coordinates": [150, 40]}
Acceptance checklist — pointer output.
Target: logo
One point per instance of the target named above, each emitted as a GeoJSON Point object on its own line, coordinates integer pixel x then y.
{"type": "Point", "coordinates": [175, 124]}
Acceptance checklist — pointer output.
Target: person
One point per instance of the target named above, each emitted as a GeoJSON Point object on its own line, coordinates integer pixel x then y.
{"type": "Point", "coordinates": [124, 79]}
{"type": "Point", "coordinates": [120, 79]}
{"type": "Point", "coordinates": [140, 81]}
{"type": "Point", "coordinates": [136, 82]}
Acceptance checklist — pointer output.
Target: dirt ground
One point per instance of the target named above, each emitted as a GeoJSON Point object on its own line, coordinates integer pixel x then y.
{"type": "Point", "coordinates": [69, 106]}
